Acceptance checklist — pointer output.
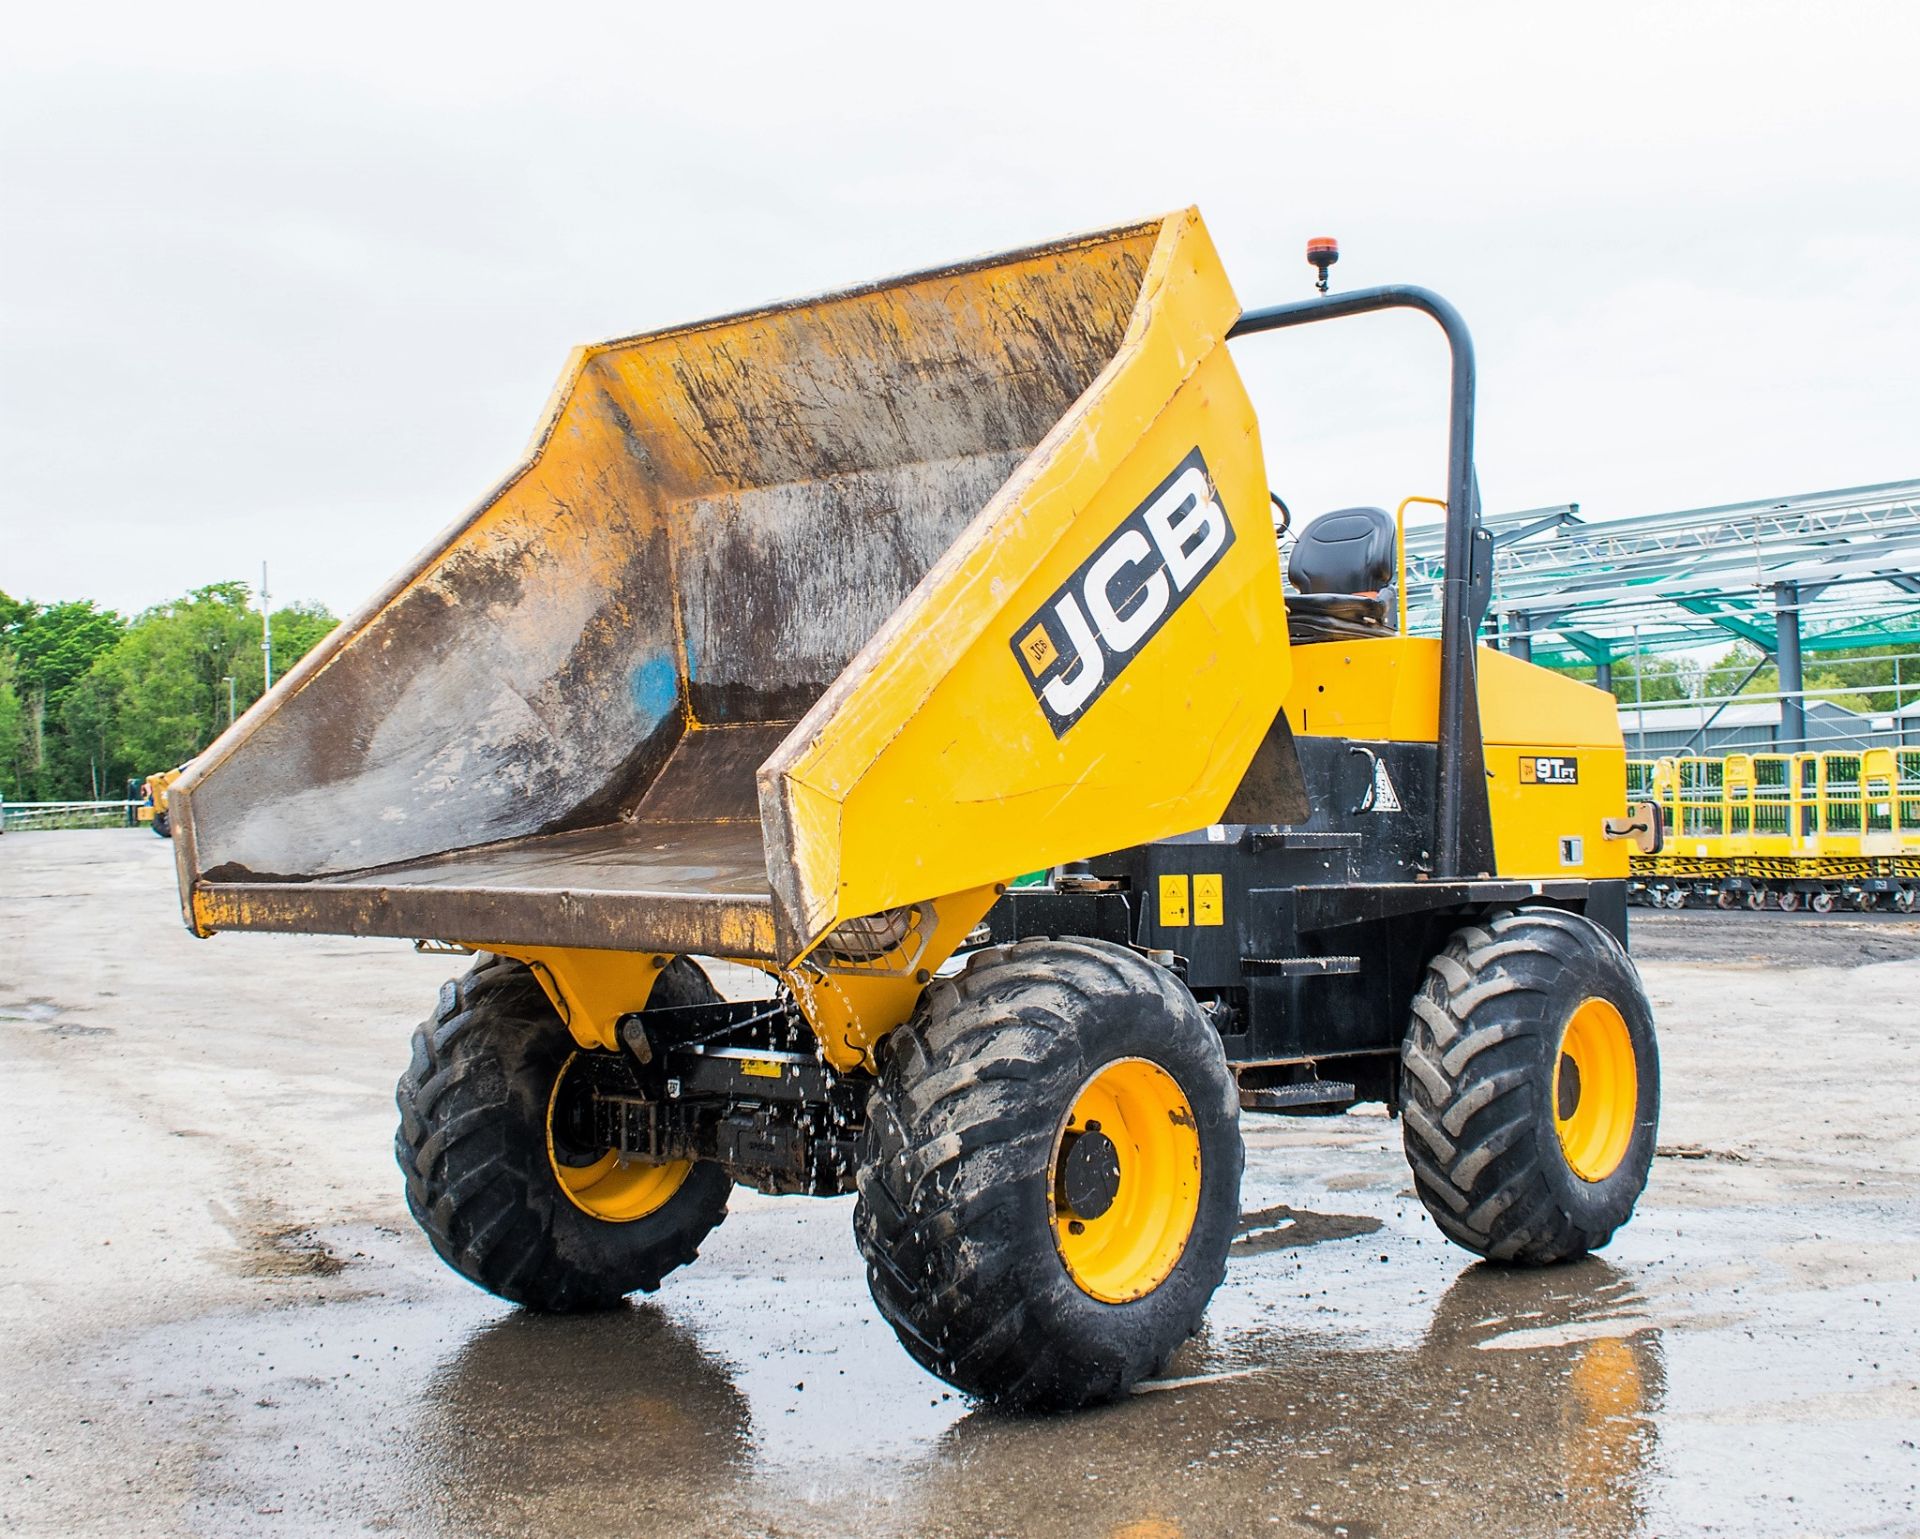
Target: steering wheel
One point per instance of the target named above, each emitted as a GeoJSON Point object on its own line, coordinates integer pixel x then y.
{"type": "Point", "coordinates": [1286, 515]}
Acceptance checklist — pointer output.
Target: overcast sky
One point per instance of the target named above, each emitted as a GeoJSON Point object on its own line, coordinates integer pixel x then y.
{"type": "Point", "coordinates": [293, 283]}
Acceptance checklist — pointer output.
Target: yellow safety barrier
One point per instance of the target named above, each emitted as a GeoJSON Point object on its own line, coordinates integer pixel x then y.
{"type": "Point", "coordinates": [1783, 829]}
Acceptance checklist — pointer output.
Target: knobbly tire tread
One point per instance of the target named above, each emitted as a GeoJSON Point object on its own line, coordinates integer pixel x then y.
{"type": "Point", "coordinates": [1478, 1065]}
{"type": "Point", "coordinates": [953, 1195]}
{"type": "Point", "coordinates": [472, 1147]}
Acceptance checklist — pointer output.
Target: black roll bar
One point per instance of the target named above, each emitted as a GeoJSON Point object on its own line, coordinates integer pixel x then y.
{"type": "Point", "coordinates": [1463, 824]}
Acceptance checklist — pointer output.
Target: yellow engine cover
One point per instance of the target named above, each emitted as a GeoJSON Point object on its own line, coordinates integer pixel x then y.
{"type": "Point", "coordinates": [1556, 762]}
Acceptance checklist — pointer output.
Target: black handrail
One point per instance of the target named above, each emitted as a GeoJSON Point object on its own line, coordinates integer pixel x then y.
{"type": "Point", "coordinates": [1463, 824]}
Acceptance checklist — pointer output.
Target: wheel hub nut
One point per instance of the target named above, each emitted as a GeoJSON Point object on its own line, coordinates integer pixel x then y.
{"type": "Point", "coordinates": [1568, 1089]}
{"type": "Point", "coordinates": [1089, 1173]}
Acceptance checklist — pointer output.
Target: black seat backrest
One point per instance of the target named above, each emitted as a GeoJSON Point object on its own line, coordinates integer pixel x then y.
{"type": "Point", "coordinates": [1350, 551]}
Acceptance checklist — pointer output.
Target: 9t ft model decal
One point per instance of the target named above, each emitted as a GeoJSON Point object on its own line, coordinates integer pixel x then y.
{"type": "Point", "coordinates": [1098, 620]}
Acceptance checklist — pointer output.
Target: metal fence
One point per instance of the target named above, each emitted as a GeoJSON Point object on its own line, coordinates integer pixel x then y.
{"type": "Point", "coordinates": [21, 816]}
{"type": "Point", "coordinates": [1838, 805]}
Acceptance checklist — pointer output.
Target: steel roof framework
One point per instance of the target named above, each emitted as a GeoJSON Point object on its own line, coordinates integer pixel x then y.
{"type": "Point", "coordinates": [1576, 593]}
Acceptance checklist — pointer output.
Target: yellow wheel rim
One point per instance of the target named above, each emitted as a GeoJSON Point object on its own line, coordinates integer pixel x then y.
{"type": "Point", "coordinates": [1129, 1154]}
{"type": "Point", "coordinates": [1596, 1090]}
{"type": "Point", "coordinates": [613, 1188]}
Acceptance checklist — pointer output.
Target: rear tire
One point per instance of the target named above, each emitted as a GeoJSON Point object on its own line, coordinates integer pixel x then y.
{"type": "Point", "coordinates": [1517, 1156]}
{"type": "Point", "coordinates": [981, 1131]}
{"type": "Point", "coordinates": [482, 1180]}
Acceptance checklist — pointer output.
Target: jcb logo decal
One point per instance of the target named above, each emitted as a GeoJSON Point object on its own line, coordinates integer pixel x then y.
{"type": "Point", "coordinates": [1099, 619]}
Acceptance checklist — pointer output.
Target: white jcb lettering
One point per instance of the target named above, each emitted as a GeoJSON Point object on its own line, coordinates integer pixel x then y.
{"type": "Point", "coordinates": [1068, 691]}
{"type": "Point", "coordinates": [1187, 525]}
{"type": "Point", "coordinates": [1083, 636]}
{"type": "Point", "coordinates": [1123, 634]}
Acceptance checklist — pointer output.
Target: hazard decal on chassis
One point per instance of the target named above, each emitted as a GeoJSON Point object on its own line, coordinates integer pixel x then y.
{"type": "Point", "coordinates": [1385, 797]}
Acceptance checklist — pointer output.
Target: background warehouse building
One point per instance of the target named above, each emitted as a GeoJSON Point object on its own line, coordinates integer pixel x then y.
{"type": "Point", "coordinates": [1711, 730]}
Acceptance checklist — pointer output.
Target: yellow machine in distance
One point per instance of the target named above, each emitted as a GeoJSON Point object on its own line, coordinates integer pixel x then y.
{"type": "Point", "coordinates": [798, 636]}
{"type": "Point", "coordinates": [1784, 831]}
{"type": "Point", "coordinates": [155, 792]}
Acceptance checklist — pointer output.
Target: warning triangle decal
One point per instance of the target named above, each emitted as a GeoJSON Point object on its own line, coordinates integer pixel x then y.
{"type": "Point", "coordinates": [1385, 798]}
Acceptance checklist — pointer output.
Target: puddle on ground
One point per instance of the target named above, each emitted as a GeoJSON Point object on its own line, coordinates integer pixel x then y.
{"type": "Point", "coordinates": [269, 1247]}
{"type": "Point", "coordinates": [1281, 1228]}
{"type": "Point", "coordinates": [746, 1406]}
{"type": "Point", "coordinates": [1356, 1376]}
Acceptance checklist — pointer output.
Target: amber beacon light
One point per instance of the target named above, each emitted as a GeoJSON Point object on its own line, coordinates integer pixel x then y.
{"type": "Point", "coordinates": [1323, 251]}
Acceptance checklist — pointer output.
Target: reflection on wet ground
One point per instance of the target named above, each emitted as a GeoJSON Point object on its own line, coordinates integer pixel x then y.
{"type": "Point", "coordinates": [536, 1415]}
{"type": "Point", "coordinates": [1340, 1439]}
{"type": "Point", "coordinates": [1519, 1403]}
{"type": "Point", "coordinates": [1307, 1433]}
{"type": "Point", "coordinates": [1722, 1370]}
{"type": "Point", "coordinates": [1357, 1376]}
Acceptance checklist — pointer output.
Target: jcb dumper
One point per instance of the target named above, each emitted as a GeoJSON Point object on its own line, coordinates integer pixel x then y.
{"type": "Point", "coordinates": [151, 807]}
{"type": "Point", "coordinates": [800, 636]}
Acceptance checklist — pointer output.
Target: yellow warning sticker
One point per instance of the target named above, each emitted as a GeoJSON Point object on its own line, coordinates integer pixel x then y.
{"type": "Point", "coordinates": [760, 1068]}
{"type": "Point", "coordinates": [1173, 900]}
{"type": "Point", "coordinates": [1209, 899]}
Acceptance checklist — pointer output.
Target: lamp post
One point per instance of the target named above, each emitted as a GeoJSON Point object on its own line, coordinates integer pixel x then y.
{"type": "Point", "coordinates": [266, 630]}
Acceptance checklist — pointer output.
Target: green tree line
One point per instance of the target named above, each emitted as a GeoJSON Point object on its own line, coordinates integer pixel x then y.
{"type": "Point", "coordinates": [90, 699]}
{"type": "Point", "coordinates": [1866, 680]}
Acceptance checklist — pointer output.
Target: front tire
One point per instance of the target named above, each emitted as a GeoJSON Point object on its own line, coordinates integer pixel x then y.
{"type": "Point", "coordinates": [1054, 1174]}
{"type": "Point", "coordinates": [161, 826]}
{"type": "Point", "coordinates": [1532, 1087]}
{"type": "Point", "coordinates": [491, 1178]}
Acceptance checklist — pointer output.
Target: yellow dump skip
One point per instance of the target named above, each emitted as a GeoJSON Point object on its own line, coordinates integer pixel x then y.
{"type": "Point", "coordinates": [791, 617]}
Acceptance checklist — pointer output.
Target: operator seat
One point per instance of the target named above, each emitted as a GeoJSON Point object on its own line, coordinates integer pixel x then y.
{"type": "Point", "coordinates": [1341, 571]}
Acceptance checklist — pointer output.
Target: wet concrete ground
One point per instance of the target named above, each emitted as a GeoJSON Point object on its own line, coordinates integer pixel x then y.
{"type": "Point", "coordinates": [217, 1319]}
